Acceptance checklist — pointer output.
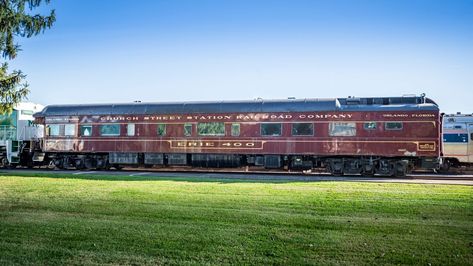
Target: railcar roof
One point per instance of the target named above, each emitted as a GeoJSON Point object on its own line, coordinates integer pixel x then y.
{"type": "Point", "coordinates": [290, 105]}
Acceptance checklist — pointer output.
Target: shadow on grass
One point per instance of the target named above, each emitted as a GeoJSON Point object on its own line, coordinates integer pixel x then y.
{"type": "Point", "coordinates": [187, 177]}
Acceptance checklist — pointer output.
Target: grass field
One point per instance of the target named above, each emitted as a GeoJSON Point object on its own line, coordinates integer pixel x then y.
{"type": "Point", "coordinates": [60, 219]}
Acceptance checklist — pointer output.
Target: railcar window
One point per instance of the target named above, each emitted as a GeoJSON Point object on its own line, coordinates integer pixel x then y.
{"type": "Point", "coordinates": [235, 130]}
{"type": "Point", "coordinates": [453, 126]}
{"type": "Point", "coordinates": [187, 130]}
{"type": "Point", "coordinates": [471, 136]}
{"type": "Point", "coordinates": [302, 129]}
{"type": "Point", "coordinates": [86, 130]}
{"type": "Point", "coordinates": [27, 112]}
{"type": "Point", "coordinates": [53, 130]}
{"type": "Point", "coordinates": [70, 130]}
{"type": "Point", "coordinates": [110, 130]}
{"type": "Point", "coordinates": [393, 125]}
{"type": "Point", "coordinates": [458, 138]}
{"type": "Point", "coordinates": [369, 125]}
{"type": "Point", "coordinates": [271, 129]}
{"type": "Point", "coordinates": [211, 129]}
{"type": "Point", "coordinates": [340, 129]}
{"type": "Point", "coordinates": [130, 129]}
{"type": "Point", "coordinates": [161, 128]}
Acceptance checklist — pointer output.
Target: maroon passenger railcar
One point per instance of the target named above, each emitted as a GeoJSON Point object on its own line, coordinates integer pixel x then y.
{"type": "Point", "coordinates": [388, 136]}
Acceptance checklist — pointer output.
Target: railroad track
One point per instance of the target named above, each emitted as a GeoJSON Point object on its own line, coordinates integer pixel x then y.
{"type": "Point", "coordinates": [265, 176]}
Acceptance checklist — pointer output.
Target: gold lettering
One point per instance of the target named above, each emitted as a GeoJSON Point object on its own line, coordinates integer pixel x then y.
{"type": "Point", "coordinates": [181, 143]}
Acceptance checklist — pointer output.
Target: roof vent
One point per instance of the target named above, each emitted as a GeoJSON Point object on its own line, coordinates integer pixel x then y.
{"type": "Point", "coordinates": [291, 98]}
{"type": "Point", "coordinates": [137, 101]}
{"type": "Point", "coordinates": [459, 113]}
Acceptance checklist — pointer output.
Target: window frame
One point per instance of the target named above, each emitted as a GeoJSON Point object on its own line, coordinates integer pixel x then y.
{"type": "Point", "coordinates": [220, 124]}
{"type": "Point", "coordinates": [459, 136]}
{"type": "Point", "coordinates": [128, 127]}
{"type": "Point", "coordinates": [265, 135]}
{"type": "Point", "coordinates": [186, 132]}
{"type": "Point", "coordinates": [393, 129]}
{"type": "Point", "coordinates": [304, 135]}
{"type": "Point", "coordinates": [83, 126]}
{"type": "Point", "coordinates": [332, 125]}
{"type": "Point", "coordinates": [164, 129]}
{"type": "Point", "coordinates": [74, 130]}
{"type": "Point", "coordinates": [239, 129]}
{"type": "Point", "coordinates": [370, 128]}
{"type": "Point", "coordinates": [48, 126]}
{"type": "Point", "coordinates": [27, 112]}
{"type": "Point", "coordinates": [109, 135]}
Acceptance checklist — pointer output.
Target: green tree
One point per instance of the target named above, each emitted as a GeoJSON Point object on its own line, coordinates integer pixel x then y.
{"type": "Point", "coordinates": [16, 20]}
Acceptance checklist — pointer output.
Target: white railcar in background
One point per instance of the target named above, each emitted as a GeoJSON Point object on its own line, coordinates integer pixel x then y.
{"type": "Point", "coordinates": [457, 140]}
{"type": "Point", "coordinates": [19, 135]}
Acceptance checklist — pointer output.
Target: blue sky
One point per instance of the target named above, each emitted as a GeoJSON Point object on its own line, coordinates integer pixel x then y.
{"type": "Point", "coordinates": [176, 50]}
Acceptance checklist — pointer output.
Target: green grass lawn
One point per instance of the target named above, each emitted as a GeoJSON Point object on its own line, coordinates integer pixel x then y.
{"type": "Point", "coordinates": [60, 219]}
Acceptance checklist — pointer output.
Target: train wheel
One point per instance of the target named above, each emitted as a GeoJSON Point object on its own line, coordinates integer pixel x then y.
{"type": "Point", "coordinates": [6, 164]}
{"type": "Point", "coordinates": [335, 171]}
{"type": "Point", "coordinates": [58, 163]}
{"type": "Point", "coordinates": [385, 168]}
{"type": "Point", "coordinates": [79, 164]}
{"type": "Point", "coordinates": [335, 166]}
{"type": "Point", "coordinates": [368, 169]}
{"type": "Point", "coordinates": [400, 169]}
{"type": "Point", "coordinates": [444, 167]}
{"type": "Point", "coordinates": [3, 162]}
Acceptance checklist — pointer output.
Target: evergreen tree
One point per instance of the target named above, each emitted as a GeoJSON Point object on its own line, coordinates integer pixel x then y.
{"type": "Point", "coordinates": [16, 21]}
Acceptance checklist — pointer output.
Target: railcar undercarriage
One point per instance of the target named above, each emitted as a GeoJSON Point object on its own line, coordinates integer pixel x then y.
{"type": "Point", "coordinates": [336, 165]}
